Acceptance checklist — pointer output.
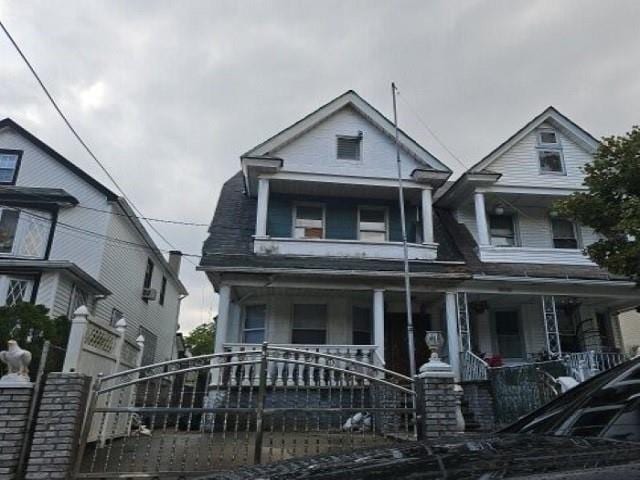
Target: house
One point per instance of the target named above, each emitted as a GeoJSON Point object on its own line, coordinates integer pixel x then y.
{"type": "Point", "coordinates": [305, 246]}
{"type": "Point", "coordinates": [66, 240]}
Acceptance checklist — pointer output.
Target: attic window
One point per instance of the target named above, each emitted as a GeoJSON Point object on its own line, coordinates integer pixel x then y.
{"type": "Point", "coordinates": [349, 148]}
{"type": "Point", "coordinates": [548, 137]}
{"type": "Point", "coordinates": [550, 152]}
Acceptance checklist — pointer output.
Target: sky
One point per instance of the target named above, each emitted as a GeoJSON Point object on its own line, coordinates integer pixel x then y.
{"type": "Point", "coordinates": [169, 94]}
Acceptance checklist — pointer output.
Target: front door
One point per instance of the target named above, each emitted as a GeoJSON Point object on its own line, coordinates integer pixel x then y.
{"type": "Point", "coordinates": [508, 334]}
{"type": "Point", "coordinates": [395, 341]}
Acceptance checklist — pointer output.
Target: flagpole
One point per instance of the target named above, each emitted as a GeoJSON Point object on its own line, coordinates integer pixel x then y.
{"type": "Point", "coordinates": [407, 279]}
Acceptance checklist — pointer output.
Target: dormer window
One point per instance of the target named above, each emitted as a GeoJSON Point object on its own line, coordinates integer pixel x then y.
{"type": "Point", "coordinates": [9, 165]}
{"type": "Point", "coordinates": [349, 147]}
{"type": "Point", "coordinates": [550, 152]}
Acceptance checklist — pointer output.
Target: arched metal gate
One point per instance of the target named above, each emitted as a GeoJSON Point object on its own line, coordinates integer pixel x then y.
{"type": "Point", "coordinates": [201, 414]}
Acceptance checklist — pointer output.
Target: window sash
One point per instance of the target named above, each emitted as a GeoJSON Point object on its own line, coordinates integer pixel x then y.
{"type": "Point", "coordinates": [547, 133]}
{"type": "Point", "coordinates": [564, 234]}
{"type": "Point", "coordinates": [371, 228]}
{"type": "Point", "coordinates": [253, 329]}
{"type": "Point", "coordinates": [550, 166]}
{"type": "Point", "coordinates": [8, 167]}
{"type": "Point", "coordinates": [18, 290]}
{"type": "Point", "coordinates": [502, 235]}
{"type": "Point", "coordinates": [309, 221]}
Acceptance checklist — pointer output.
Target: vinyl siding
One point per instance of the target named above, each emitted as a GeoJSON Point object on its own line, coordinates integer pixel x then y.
{"type": "Point", "coordinates": [316, 150]}
{"type": "Point", "coordinates": [630, 330]}
{"type": "Point", "coordinates": [520, 166]}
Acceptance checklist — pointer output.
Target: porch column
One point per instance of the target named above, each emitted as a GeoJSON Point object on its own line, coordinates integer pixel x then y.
{"type": "Point", "coordinates": [263, 207]}
{"type": "Point", "coordinates": [222, 323]}
{"type": "Point", "coordinates": [378, 322]}
{"type": "Point", "coordinates": [453, 339]}
{"type": "Point", "coordinates": [427, 216]}
{"type": "Point", "coordinates": [481, 219]}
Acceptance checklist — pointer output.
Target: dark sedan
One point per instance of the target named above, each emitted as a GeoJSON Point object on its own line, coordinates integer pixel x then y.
{"type": "Point", "coordinates": [592, 431]}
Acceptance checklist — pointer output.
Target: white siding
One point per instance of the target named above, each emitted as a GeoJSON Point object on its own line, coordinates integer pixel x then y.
{"type": "Point", "coordinates": [63, 296]}
{"type": "Point", "coordinates": [315, 150]}
{"type": "Point", "coordinates": [122, 272]}
{"type": "Point", "coordinates": [47, 290]}
{"type": "Point", "coordinates": [630, 330]}
{"type": "Point", "coordinates": [520, 166]}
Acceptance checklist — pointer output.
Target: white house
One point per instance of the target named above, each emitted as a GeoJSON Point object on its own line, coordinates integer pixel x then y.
{"type": "Point", "coordinates": [66, 240]}
{"type": "Point", "coordinates": [305, 245]}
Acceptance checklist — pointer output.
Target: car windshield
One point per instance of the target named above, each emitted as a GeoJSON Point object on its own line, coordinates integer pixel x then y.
{"type": "Point", "coordinates": [607, 406]}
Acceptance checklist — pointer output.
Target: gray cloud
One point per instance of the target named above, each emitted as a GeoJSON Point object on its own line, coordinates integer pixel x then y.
{"type": "Point", "coordinates": [169, 94]}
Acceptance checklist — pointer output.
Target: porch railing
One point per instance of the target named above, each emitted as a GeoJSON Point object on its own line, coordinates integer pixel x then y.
{"type": "Point", "coordinates": [583, 365]}
{"type": "Point", "coordinates": [360, 353]}
{"type": "Point", "coordinates": [472, 367]}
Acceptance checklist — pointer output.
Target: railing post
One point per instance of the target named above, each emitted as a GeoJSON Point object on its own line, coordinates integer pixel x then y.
{"type": "Point", "coordinates": [121, 328]}
{"type": "Point", "coordinates": [419, 406]}
{"type": "Point", "coordinates": [76, 339]}
{"type": "Point", "coordinates": [257, 452]}
{"type": "Point", "coordinates": [140, 343]}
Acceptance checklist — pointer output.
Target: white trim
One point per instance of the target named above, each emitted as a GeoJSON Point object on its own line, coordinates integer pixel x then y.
{"type": "Point", "coordinates": [262, 207]}
{"type": "Point", "coordinates": [554, 256]}
{"type": "Point", "coordinates": [563, 170]}
{"type": "Point", "coordinates": [316, 247]}
{"type": "Point", "coordinates": [517, 189]}
{"type": "Point", "coordinates": [352, 99]}
{"type": "Point", "coordinates": [343, 179]}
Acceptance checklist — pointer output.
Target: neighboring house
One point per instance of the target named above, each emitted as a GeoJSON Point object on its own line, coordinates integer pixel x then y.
{"type": "Point", "coordinates": [630, 329]}
{"type": "Point", "coordinates": [66, 240]}
{"type": "Point", "coordinates": [305, 245]}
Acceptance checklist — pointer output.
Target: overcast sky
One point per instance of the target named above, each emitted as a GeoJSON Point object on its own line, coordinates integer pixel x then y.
{"type": "Point", "coordinates": [169, 94]}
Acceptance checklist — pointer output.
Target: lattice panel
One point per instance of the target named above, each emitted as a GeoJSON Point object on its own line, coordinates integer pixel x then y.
{"type": "Point", "coordinates": [100, 338]}
{"type": "Point", "coordinates": [17, 291]}
{"type": "Point", "coordinates": [551, 326]}
{"type": "Point", "coordinates": [463, 322]}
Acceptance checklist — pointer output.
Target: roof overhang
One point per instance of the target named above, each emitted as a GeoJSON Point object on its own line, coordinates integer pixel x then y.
{"type": "Point", "coordinates": [28, 196]}
{"type": "Point", "coordinates": [435, 178]}
{"type": "Point", "coordinates": [464, 187]}
{"type": "Point", "coordinates": [254, 166]}
{"type": "Point", "coordinates": [18, 267]}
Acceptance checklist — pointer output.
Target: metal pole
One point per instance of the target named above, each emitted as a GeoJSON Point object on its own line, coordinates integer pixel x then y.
{"type": "Point", "coordinates": [407, 280]}
{"type": "Point", "coordinates": [257, 451]}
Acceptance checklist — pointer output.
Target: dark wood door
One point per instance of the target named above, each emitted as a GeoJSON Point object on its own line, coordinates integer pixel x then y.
{"type": "Point", "coordinates": [396, 346]}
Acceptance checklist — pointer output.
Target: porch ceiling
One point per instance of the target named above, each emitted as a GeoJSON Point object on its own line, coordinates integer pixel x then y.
{"type": "Point", "coordinates": [513, 300]}
{"type": "Point", "coordinates": [327, 189]}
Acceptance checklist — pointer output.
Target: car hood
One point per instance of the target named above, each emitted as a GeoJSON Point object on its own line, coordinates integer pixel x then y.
{"type": "Point", "coordinates": [468, 457]}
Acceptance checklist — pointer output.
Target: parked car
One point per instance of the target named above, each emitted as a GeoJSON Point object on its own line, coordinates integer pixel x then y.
{"type": "Point", "coordinates": [592, 431]}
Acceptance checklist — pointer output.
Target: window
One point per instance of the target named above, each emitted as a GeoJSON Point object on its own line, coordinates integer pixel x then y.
{"type": "Point", "coordinates": [254, 321]}
{"type": "Point", "coordinates": [309, 221]}
{"type": "Point", "coordinates": [148, 276]}
{"type": "Point", "coordinates": [361, 318]}
{"type": "Point", "coordinates": [309, 324]}
{"type": "Point", "coordinates": [547, 137]}
{"type": "Point", "coordinates": [502, 231]}
{"type": "Point", "coordinates": [508, 334]}
{"type": "Point", "coordinates": [8, 228]}
{"type": "Point", "coordinates": [18, 291]}
{"type": "Point", "coordinates": [116, 315]}
{"type": "Point", "coordinates": [150, 345]}
{"type": "Point", "coordinates": [78, 298]}
{"type": "Point", "coordinates": [372, 224]}
{"type": "Point", "coordinates": [550, 161]}
{"type": "Point", "coordinates": [9, 165]}
{"type": "Point", "coordinates": [564, 233]}
{"type": "Point", "coordinates": [349, 148]}
{"type": "Point", "coordinates": [163, 290]}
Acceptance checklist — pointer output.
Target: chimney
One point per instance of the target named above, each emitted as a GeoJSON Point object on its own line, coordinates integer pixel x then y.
{"type": "Point", "coordinates": [175, 258]}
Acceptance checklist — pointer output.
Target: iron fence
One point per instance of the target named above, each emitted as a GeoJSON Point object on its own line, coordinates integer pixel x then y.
{"type": "Point", "coordinates": [202, 414]}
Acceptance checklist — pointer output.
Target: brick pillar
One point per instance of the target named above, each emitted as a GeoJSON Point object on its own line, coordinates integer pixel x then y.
{"type": "Point", "coordinates": [440, 397]}
{"type": "Point", "coordinates": [15, 399]}
{"type": "Point", "coordinates": [57, 427]}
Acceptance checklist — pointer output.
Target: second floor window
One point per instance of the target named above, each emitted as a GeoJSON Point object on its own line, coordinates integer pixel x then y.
{"type": "Point", "coordinates": [8, 228]}
{"type": "Point", "coordinates": [564, 233]}
{"type": "Point", "coordinates": [254, 321]}
{"type": "Point", "coordinates": [309, 221]}
{"type": "Point", "coordinates": [372, 224]}
{"type": "Point", "coordinates": [163, 290]}
{"type": "Point", "coordinates": [348, 148]}
{"type": "Point", "coordinates": [148, 276]}
{"type": "Point", "coordinates": [502, 231]}
{"type": "Point", "coordinates": [9, 163]}
{"type": "Point", "coordinates": [309, 324]}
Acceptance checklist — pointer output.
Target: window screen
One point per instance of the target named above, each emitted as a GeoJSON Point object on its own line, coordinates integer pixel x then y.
{"type": "Point", "coordinates": [309, 324]}
{"type": "Point", "coordinates": [254, 320]}
{"type": "Point", "coordinates": [309, 222]}
{"type": "Point", "coordinates": [349, 148]}
{"type": "Point", "coordinates": [373, 224]}
{"type": "Point", "coordinates": [502, 230]}
{"type": "Point", "coordinates": [564, 234]}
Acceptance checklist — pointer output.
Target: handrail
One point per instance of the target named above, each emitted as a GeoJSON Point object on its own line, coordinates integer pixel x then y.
{"type": "Point", "coordinates": [473, 367]}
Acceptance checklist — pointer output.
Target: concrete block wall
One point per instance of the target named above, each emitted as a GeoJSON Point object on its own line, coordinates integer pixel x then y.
{"type": "Point", "coordinates": [58, 424]}
{"type": "Point", "coordinates": [14, 411]}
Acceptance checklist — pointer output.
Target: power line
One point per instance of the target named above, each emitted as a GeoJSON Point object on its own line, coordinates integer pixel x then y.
{"type": "Point", "coordinates": [433, 134]}
{"type": "Point", "coordinates": [79, 138]}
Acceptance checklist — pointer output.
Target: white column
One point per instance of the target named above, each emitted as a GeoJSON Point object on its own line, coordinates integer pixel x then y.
{"type": "Point", "coordinates": [76, 339]}
{"type": "Point", "coordinates": [427, 216]}
{"type": "Point", "coordinates": [453, 339]}
{"type": "Point", "coordinates": [263, 207]}
{"type": "Point", "coordinates": [481, 219]}
{"type": "Point", "coordinates": [378, 321]}
{"type": "Point", "coordinates": [224, 299]}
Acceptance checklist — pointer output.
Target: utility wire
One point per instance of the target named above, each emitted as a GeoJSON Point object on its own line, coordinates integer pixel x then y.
{"type": "Point", "coordinates": [79, 138]}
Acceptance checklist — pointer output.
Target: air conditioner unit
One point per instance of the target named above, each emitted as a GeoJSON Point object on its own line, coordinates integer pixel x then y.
{"type": "Point", "coordinates": [149, 293]}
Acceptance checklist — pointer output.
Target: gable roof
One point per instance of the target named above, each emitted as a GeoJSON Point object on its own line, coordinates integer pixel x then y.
{"type": "Point", "coordinates": [548, 115]}
{"type": "Point", "coordinates": [355, 101]}
{"type": "Point", "coordinates": [7, 122]}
